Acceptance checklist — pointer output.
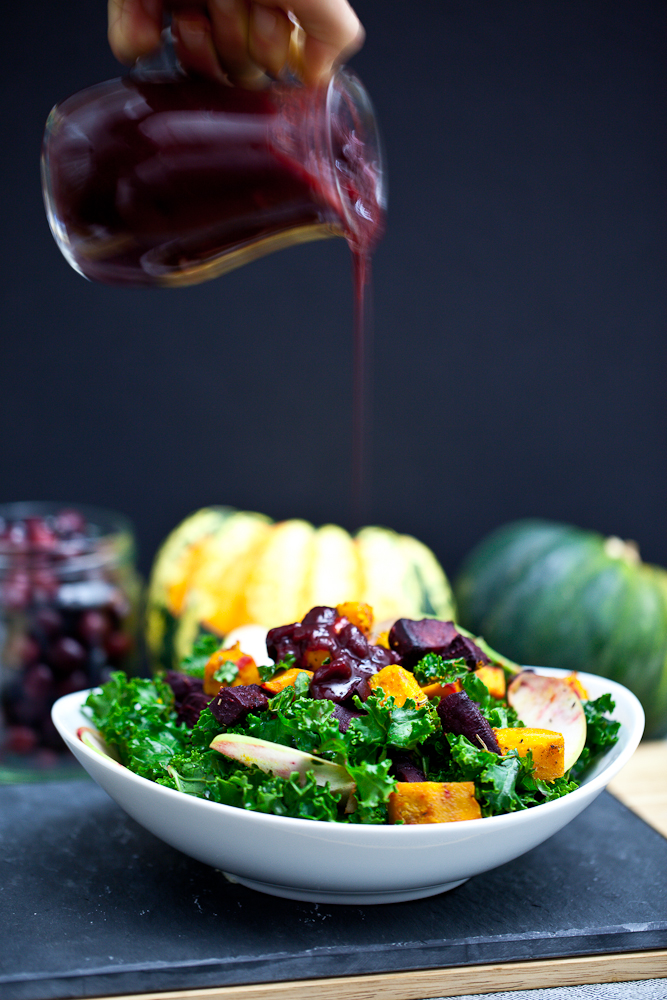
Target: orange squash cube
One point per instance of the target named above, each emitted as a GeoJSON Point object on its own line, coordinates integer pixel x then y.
{"type": "Point", "coordinates": [547, 747]}
{"type": "Point", "coordinates": [438, 690]}
{"type": "Point", "coordinates": [494, 678]}
{"type": "Point", "coordinates": [285, 679]}
{"type": "Point", "coordinates": [358, 613]}
{"type": "Point", "coordinates": [400, 683]}
{"type": "Point", "coordinates": [433, 802]}
{"type": "Point", "coordinates": [316, 657]}
{"type": "Point", "coordinates": [247, 669]}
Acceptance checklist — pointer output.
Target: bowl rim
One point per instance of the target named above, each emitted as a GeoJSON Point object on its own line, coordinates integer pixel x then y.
{"type": "Point", "coordinates": [589, 787]}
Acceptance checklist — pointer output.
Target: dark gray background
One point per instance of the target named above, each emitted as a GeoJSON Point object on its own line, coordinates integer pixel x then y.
{"type": "Point", "coordinates": [520, 340]}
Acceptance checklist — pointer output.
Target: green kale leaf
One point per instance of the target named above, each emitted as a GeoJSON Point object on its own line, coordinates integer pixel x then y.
{"type": "Point", "coordinates": [601, 732]}
{"type": "Point", "coordinates": [204, 646]}
{"type": "Point", "coordinates": [433, 667]}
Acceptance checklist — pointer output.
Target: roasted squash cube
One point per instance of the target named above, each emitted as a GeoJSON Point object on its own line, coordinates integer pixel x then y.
{"type": "Point", "coordinates": [547, 748]}
{"type": "Point", "coordinates": [285, 679]}
{"type": "Point", "coordinates": [433, 802]}
{"type": "Point", "coordinates": [438, 690]}
{"type": "Point", "coordinates": [494, 678]}
{"type": "Point", "coordinates": [399, 683]}
{"type": "Point", "coordinates": [358, 613]}
{"type": "Point", "coordinates": [247, 669]}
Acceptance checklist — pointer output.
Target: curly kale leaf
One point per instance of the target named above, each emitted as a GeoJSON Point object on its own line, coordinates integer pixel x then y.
{"type": "Point", "coordinates": [303, 723]}
{"type": "Point", "coordinates": [135, 716]}
{"type": "Point", "coordinates": [204, 646]}
{"type": "Point", "coordinates": [373, 788]}
{"type": "Point", "coordinates": [433, 667]}
{"type": "Point", "coordinates": [601, 732]}
{"type": "Point", "coordinates": [268, 671]}
{"type": "Point", "coordinates": [386, 724]}
{"type": "Point", "coordinates": [255, 790]}
{"type": "Point", "coordinates": [502, 784]}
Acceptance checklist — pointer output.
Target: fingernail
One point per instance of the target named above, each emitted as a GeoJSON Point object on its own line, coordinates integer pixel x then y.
{"type": "Point", "coordinates": [264, 21]}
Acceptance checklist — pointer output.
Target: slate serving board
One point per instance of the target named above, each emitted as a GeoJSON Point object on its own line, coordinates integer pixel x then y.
{"type": "Point", "coordinates": [91, 905]}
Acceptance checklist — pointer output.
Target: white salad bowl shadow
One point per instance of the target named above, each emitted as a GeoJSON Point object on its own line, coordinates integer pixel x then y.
{"type": "Point", "coordinates": [324, 862]}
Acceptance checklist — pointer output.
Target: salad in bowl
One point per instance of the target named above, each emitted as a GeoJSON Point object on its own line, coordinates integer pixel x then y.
{"type": "Point", "coordinates": [353, 747]}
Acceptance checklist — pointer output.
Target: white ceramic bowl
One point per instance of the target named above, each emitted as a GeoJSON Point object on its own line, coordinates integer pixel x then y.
{"type": "Point", "coordinates": [337, 862]}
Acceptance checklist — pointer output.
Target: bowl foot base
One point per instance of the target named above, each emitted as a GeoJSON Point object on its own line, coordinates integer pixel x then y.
{"type": "Point", "coordinates": [349, 898]}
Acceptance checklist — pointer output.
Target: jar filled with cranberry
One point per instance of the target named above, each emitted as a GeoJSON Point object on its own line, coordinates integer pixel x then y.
{"type": "Point", "coordinates": [69, 604]}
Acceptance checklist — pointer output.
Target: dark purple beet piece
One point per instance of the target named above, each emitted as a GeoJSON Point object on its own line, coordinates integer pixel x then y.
{"type": "Point", "coordinates": [192, 707]}
{"type": "Point", "coordinates": [231, 705]}
{"type": "Point", "coordinates": [412, 640]}
{"type": "Point", "coordinates": [404, 768]}
{"type": "Point", "coordinates": [183, 685]}
{"type": "Point", "coordinates": [345, 716]}
{"type": "Point", "coordinates": [462, 716]}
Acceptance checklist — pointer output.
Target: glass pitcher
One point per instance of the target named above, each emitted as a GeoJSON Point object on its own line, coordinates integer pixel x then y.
{"type": "Point", "coordinates": [162, 179]}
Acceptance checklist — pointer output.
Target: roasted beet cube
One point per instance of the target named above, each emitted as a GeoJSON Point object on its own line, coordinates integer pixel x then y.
{"type": "Point", "coordinates": [183, 685]}
{"type": "Point", "coordinates": [403, 768]}
{"type": "Point", "coordinates": [460, 715]}
{"type": "Point", "coordinates": [345, 716]}
{"type": "Point", "coordinates": [231, 705]}
{"type": "Point", "coordinates": [192, 707]}
{"type": "Point", "coordinates": [412, 640]}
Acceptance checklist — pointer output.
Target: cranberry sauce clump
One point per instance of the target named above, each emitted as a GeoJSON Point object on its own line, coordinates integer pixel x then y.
{"type": "Point", "coordinates": [412, 640]}
{"type": "Point", "coordinates": [338, 653]}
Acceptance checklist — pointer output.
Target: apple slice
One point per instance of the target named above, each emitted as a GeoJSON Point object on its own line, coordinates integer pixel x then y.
{"type": "Point", "coordinates": [92, 739]}
{"type": "Point", "coordinates": [549, 703]}
{"type": "Point", "coordinates": [273, 758]}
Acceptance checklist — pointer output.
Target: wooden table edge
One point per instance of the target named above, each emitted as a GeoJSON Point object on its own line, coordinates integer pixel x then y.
{"type": "Point", "coordinates": [449, 982]}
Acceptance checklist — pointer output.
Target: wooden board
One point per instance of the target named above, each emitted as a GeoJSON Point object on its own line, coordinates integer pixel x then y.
{"type": "Point", "coordinates": [443, 982]}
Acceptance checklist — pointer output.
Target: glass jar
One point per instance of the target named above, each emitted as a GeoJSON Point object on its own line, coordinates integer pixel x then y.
{"type": "Point", "coordinates": [69, 606]}
{"type": "Point", "coordinates": [162, 179]}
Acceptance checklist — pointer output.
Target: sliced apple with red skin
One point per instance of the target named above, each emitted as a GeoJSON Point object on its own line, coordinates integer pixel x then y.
{"type": "Point", "coordinates": [92, 739]}
{"type": "Point", "coordinates": [273, 758]}
{"type": "Point", "coordinates": [549, 703]}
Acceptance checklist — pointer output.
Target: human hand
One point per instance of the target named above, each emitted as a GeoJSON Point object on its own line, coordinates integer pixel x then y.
{"type": "Point", "coordinates": [240, 40]}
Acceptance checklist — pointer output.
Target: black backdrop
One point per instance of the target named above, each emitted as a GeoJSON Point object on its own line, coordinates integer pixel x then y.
{"type": "Point", "coordinates": [520, 340]}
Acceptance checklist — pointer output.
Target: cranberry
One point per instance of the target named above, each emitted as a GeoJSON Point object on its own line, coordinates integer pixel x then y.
{"type": "Point", "coordinates": [93, 627]}
{"type": "Point", "coordinates": [49, 622]}
{"type": "Point", "coordinates": [69, 522]}
{"type": "Point", "coordinates": [117, 646]}
{"type": "Point", "coordinates": [44, 584]}
{"type": "Point", "coordinates": [20, 739]}
{"type": "Point", "coordinates": [77, 681]}
{"type": "Point", "coordinates": [319, 616]}
{"type": "Point", "coordinates": [354, 640]}
{"type": "Point", "coordinates": [66, 655]}
{"type": "Point", "coordinates": [38, 681]}
{"type": "Point", "coordinates": [16, 590]}
{"type": "Point", "coordinates": [51, 738]}
{"type": "Point", "coordinates": [39, 535]}
{"type": "Point", "coordinates": [28, 650]}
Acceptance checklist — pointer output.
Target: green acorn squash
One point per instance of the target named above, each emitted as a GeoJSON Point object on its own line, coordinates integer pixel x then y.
{"type": "Point", "coordinates": [222, 568]}
{"type": "Point", "coordinates": [553, 595]}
